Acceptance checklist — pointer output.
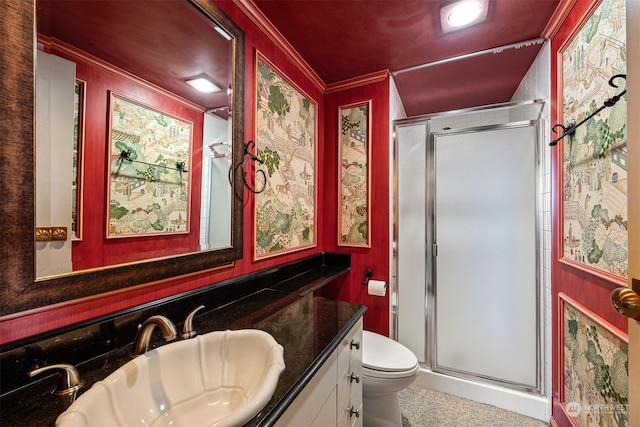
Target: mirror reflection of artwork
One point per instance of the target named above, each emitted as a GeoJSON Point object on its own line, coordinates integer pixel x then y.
{"type": "Point", "coordinates": [595, 217]}
{"type": "Point", "coordinates": [353, 146]}
{"type": "Point", "coordinates": [148, 187]}
{"type": "Point", "coordinates": [286, 142]}
{"type": "Point", "coordinates": [148, 60]}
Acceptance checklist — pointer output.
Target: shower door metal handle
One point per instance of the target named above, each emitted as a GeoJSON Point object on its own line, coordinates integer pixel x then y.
{"type": "Point", "coordinates": [626, 301]}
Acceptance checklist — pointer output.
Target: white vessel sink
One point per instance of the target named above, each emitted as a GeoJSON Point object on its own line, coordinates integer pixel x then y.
{"type": "Point", "coordinates": [217, 379]}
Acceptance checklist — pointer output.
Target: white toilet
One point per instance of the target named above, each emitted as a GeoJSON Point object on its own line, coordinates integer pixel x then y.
{"type": "Point", "coordinates": [387, 368]}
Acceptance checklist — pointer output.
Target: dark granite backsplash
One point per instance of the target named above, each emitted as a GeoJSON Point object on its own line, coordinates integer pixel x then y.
{"type": "Point", "coordinates": [269, 299]}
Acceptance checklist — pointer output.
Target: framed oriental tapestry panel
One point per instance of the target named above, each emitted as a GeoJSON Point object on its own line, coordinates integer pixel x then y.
{"type": "Point", "coordinates": [594, 171]}
{"type": "Point", "coordinates": [594, 377]}
{"type": "Point", "coordinates": [285, 138]}
{"type": "Point", "coordinates": [354, 147]}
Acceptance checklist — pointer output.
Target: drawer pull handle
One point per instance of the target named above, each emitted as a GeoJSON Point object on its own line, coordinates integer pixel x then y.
{"type": "Point", "coordinates": [353, 377]}
{"type": "Point", "coordinates": [353, 411]}
{"type": "Point", "coordinates": [355, 344]}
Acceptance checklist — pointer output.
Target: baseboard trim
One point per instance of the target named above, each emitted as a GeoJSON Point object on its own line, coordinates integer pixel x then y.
{"type": "Point", "coordinates": [534, 406]}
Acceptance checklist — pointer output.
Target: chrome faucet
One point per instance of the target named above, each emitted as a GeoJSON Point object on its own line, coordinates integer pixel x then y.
{"type": "Point", "coordinates": [187, 327]}
{"type": "Point", "coordinates": [141, 343]}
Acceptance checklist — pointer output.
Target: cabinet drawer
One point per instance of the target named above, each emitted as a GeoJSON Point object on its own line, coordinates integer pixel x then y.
{"type": "Point", "coordinates": [357, 421]}
{"type": "Point", "coordinates": [309, 403]}
{"type": "Point", "coordinates": [327, 415]}
{"type": "Point", "coordinates": [350, 348]}
{"type": "Point", "coordinates": [350, 383]}
{"type": "Point", "coordinates": [344, 419]}
{"type": "Point", "coordinates": [356, 395]}
{"type": "Point", "coordinates": [351, 415]}
{"type": "Point", "coordinates": [344, 390]}
{"type": "Point", "coordinates": [356, 354]}
{"type": "Point", "coordinates": [332, 397]}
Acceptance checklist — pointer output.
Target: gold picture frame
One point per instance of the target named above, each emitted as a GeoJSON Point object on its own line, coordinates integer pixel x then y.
{"type": "Point", "coordinates": [354, 174]}
{"type": "Point", "coordinates": [149, 174]}
{"type": "Point", "coordinates": [593, 205]}
{"type": "Point", "coordinates": [286, 143]}
{"type": "Point", "coordinates": [594, 357]}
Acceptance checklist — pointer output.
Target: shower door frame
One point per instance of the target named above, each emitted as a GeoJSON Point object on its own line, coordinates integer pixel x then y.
{"type": "Point", "coordinates": [534, 403]}
{"type": "Point", "coordinates": [431, 247]}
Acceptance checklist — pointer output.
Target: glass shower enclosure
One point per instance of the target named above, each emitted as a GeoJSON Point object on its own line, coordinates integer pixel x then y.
{"type": "Point", "coordinates": [467, 297]}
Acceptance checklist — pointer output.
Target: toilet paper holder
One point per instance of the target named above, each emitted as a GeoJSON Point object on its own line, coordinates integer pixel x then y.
{"type": "Point", "coordinates": [368, 273]}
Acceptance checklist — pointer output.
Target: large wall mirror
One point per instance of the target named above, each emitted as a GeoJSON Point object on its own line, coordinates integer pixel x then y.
{"type": "Point", "coordinates": [121, 163]}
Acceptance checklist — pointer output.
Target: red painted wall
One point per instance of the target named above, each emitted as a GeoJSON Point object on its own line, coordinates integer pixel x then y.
{"type": "Point", "coordinates": [29, 323]}
{"type": "Point", "coordinates": [24, 324]}
{"type": "Point", "coordinates": [94, 250]}
{"type": "Point", "coordinates": [585, 288]}
{"type": "Point", "coordinates": [377, 257]}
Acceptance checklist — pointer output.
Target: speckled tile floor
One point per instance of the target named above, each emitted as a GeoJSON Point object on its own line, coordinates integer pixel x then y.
{"type": "Point", "coordinates": [423, 407]}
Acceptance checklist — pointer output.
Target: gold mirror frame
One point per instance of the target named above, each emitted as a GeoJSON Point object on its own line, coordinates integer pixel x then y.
{"type": "Point", "coordinates": [19, 288]}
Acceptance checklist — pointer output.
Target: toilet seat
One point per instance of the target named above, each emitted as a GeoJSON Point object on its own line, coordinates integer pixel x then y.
{"type": "Point", "coordinates": [383, 357]}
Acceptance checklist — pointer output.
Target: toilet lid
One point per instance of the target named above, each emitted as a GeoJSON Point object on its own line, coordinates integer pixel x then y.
{"type": "Point", "coordinates": [384, 354]}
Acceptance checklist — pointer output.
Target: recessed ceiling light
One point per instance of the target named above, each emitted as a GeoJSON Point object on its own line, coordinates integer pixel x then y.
{"type": "Point", "coordinates": [464, 13]}
{"type": "Point", "coordinates": [203, 84]}
{"type": "Point", "coordinates": [454, 16]}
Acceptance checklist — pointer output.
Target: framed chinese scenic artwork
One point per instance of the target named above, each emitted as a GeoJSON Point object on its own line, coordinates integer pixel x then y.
{"type": "Point", "coordinates": [594, 172]}
{"type": "Point", "coordinates": [354, 147]}
{"type": "Point", "coordinates": [285, 139]}
{"type": "Point", "coordinates": [594, 377]}
{"type": "Point", "coordinates": [149, 179]}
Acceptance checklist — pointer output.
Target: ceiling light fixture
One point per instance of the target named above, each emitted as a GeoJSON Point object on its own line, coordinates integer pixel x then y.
{"type": "Point", "coordinates": [461, 14]}
{"type": "Point", "coordinates": [203, 84]}
{"type": "Point", "coordinates": [464, 13]}
{"type": "Point", "coordinates": [223, 33]}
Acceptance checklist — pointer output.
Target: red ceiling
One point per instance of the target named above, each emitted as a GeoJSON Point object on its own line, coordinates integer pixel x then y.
{"type": "Point", "coordinates": [343, 39]}
{"type": "Point", "coordinates": [163, 42]}
{"type": "Point", "coordinates": [339, 39]}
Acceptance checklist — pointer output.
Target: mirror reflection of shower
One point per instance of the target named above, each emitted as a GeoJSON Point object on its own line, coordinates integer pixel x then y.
{"type": "Point", "coordinates": [215, 223]}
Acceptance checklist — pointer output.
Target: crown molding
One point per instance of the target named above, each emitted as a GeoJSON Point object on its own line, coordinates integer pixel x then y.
{"type": "Point", "coordinates": [557, 19]}
{"type": "Point", "coordinates": [366, 79]}
{"type": "Point", "coordinates": [260, 20]}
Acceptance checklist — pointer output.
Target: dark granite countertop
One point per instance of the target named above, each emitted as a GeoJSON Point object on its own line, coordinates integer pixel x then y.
{"type": "Point", "coordinates": [309, 328]}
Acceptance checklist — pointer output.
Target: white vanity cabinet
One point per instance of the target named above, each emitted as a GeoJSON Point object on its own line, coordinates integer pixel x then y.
{"type": "Point", "coordinates": [334, 394]}
{"type": "Point", "coordinates": [349, 386]}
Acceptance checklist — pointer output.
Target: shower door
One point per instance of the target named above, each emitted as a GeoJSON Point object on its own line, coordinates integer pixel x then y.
{"type": "Point", "coordinates": [484, 320]}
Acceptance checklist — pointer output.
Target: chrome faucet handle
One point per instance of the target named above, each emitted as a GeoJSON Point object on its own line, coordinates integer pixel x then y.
{"type": "Point", "coordinates": [68, 377]}
{"type": "Point", "coordinates": [187, 327]}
